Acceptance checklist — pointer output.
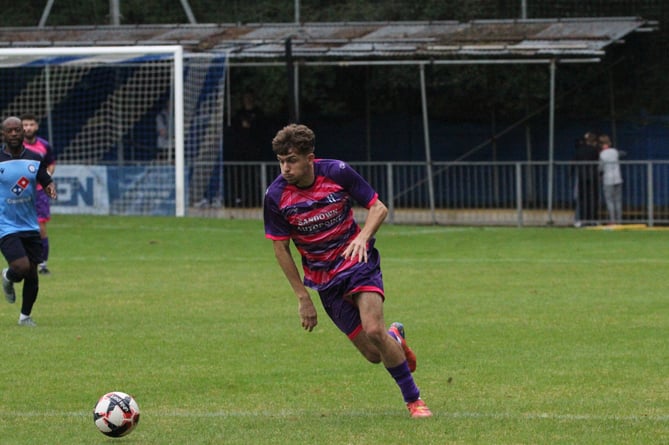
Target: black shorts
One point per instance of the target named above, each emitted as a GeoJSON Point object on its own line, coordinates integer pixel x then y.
{"type": "Point", "coordinates": [18, 245]}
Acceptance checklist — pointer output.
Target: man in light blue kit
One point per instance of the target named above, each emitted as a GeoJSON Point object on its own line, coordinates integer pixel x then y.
{"type": "Point", "coordinates": [20, 243]}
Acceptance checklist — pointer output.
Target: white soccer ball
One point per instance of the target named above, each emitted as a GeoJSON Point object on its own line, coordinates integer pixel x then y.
{"type": "Point", "coordinates": [116, 414]}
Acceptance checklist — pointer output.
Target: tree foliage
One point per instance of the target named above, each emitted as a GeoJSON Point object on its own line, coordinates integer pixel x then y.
{"type": "Point", "coordinates": [636, 70]}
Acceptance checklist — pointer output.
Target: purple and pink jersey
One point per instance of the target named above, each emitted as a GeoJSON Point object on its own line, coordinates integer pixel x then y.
{"type": "Point", "coordinates": [43, 148]}
{"type": "Point", "coordinates": [319, 219]}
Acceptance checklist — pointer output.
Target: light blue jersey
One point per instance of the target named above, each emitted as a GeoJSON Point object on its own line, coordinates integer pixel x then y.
{"type": "Point", "coordinates": [18, 184]}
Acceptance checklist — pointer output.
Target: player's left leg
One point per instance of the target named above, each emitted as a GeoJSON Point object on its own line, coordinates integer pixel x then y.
{"type": "Point", "coordinates": [370, 305]}
{"type": "Point", "coordinates": [29, 293]}
{"type": "Point", "coordinates": [25, 269]}
{"type": "Point", "coordinates": [21, 269]}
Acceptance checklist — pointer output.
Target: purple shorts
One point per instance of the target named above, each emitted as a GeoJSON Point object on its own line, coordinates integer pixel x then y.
{"type": "Point", "coordinates": [337, 298]}
{"type": "Point", "coordinates": [43, 206]}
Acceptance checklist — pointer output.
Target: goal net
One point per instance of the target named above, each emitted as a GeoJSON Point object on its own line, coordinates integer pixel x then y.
{"type": "Point", "coordinates": [136, 130]}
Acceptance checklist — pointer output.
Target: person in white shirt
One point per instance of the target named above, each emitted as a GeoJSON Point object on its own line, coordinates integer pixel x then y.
{"type": "Point", "coordinates": [612, 180]}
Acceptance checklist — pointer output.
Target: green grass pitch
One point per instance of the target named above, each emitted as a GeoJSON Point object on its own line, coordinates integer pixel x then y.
{"type": "Point", "coordinates": [523, 336]}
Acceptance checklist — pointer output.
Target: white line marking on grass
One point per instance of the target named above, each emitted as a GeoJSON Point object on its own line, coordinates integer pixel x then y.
{"type": "Point", "coordinates": [557, 416]}
{"type": "Point", "coordinates": [182, 259]}
{"type": "Point", "coordinates": [527, 260]}
{"type": "Point", "coordinates": [293, 413]}
{"type": "Point", "coordinates": [153, 229]}
{"type": "Point", "coordinates": [386, 259]}
{"type": "Point", "coordinates": [426, 231]}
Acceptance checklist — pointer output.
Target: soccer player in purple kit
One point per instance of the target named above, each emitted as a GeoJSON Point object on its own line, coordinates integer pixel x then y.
{"type": "Point", "coordinates": [311, 203]}
{"type": "Point", "coordinates": [40, 145]}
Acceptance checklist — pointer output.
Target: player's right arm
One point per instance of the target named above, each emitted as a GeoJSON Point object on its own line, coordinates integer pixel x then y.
{"type": "Point", "coordinates": [306, 307]}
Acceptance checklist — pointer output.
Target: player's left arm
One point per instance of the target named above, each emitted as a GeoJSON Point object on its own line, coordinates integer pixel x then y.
{"type": "Point", "coordinates": [375, 217]}
{"type": "Point", "coordinates": [46, 181]}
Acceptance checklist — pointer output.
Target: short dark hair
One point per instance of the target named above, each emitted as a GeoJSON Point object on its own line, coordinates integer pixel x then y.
{"type": "Point", "coordinates": [29, 117]}
{"type": "Point", "coordinates": [296, 136]}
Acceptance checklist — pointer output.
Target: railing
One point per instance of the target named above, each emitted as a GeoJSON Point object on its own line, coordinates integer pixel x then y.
{"type": "Point", "coordinates": [468, 193]}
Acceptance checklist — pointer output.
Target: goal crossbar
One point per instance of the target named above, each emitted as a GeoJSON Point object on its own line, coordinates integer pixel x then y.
{"type": "Point", "coordinates": [35, 56]}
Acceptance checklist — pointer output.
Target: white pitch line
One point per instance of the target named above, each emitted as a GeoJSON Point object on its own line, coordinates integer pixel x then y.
{"type": "Point", "coordinates": [153, 229]}
{"type": "Point", "coordinates": [557, 416]}
{"type": "Point", "coordinates": [526, 260]}
{"type": "Point", "coordinates": [292, 414]}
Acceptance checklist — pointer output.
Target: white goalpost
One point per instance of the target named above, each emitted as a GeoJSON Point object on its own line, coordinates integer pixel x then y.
{"type": "Point", "coordinates": [101, 108]}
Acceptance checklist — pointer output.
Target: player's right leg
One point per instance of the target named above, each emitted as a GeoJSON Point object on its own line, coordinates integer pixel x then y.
{"type": "Point", "coordinates": [18, 264]}
{"type": "Point", "coordinates": [392, 354]}
{"type": "Point", "coordinates": [370, 305]}
{"type": "Point", "coordinates": [362, 322]}
{"type": "Point", "coordinates": [8, 287]}
{"type": "Point", "coordinates": [18, 269]}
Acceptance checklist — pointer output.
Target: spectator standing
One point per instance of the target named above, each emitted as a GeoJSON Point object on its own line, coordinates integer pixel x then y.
{"type": "Point", "coordinates": [42, 201]}
{"type": "Point", "coordinates": [164, 132]}
{"type": "Point", "coordinates": [249, 130]}
{"type": "Point", "coordinates": [612, 180]}
{"type": "Point", "coordinates": [587, 177]}
{"type": "Point", "coordinates": [249, 141]}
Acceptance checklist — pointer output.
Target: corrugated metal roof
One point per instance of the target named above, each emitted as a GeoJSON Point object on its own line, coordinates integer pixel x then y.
{"type": "Point", "coordinates": [562, 38]}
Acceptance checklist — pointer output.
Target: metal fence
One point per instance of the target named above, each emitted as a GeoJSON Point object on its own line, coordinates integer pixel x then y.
{"type": "Point", "coordinates": [465, 193]}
